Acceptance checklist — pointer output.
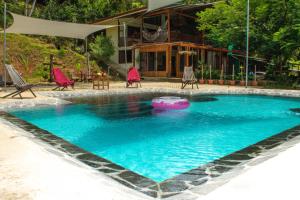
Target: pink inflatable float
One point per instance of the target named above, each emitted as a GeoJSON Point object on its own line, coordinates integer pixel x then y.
{"type": "Point", "coordinates": [170, 103]}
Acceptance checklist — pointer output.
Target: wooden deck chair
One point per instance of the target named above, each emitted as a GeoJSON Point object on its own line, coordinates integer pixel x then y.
{"type": "Point", "coordinates": [18, 82]}
{"type": "Point", "coordinates": [100, 80]}
{"type": "Point", "coordinates": [62, 82]}
{"type": "Point", "coordinates": [189, 78]}
{"type": "Point", "coordinates": [133, 76]}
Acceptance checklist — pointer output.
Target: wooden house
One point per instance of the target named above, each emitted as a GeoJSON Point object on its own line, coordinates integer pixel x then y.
{"type": "Point", "coordinates": [162, 42]}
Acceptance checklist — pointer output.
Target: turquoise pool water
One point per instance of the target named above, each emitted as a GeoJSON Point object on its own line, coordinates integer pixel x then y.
{"type": "Point", "coordinates": [161, 145]}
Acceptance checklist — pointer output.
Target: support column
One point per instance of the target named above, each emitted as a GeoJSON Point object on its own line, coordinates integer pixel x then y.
{"type": "Point", "coordinates": [178, 63]}
{"type": "Point", "coordinates": [169, 60]}
{"type": "Point", "coordinates": [247, 41]}
{"type": "Point", "coordinates": [203, 55]}
{"type": "Point", "coordinates": [87, 57]}
{"type": "Point", "coordinates": [187, 60]}
{"type": "Point", "coordinates": [51, 68]}
{"type": "Point", "coordinates": [4, 46]}
{"type": "Point", "coordinates": [133, 57]}
{"type": "Point", "coordinates": [125, 50]}
{"type": "Point", "coordinates": [169, 26]}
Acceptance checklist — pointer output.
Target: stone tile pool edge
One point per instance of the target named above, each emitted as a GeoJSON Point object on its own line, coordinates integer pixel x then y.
{"type": "Point", "coordinates": [183, 186]}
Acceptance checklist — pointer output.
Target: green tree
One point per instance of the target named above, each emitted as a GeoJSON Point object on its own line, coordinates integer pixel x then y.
{"type": "Point", "coordinates": [224, 24]}
{"type": "Point", "coordinates": [102, 49]}
{"type": "Point", "coordinates": [86, 10]}
{"type": "Point", "coordinates": [274, 27]}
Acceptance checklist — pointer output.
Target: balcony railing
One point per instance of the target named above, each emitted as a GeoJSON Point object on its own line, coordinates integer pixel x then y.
{"type": "Point", "coordinates": [130, 41]}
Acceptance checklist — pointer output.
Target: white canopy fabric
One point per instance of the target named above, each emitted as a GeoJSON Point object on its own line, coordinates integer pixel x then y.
{"type": "Point", "coordinates": [34, 26]}
{"type": "Point", "coordinates": [155, 4]}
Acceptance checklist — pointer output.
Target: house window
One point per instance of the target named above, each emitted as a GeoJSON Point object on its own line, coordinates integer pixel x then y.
{"type": "Point", "coordinates": [121, 36]}
{"type": "Point", "coordinates": [134, 32]}
{"type": "Point", "coordinates": [190, 60]}
{"type": "Point", "coordinates": [151, 61]}
{"type": "Point", "coordinates": [161, 61]}
{"type": "Point", "coordinates": [133, 35]}
{"type": "Point", "coordinates": [144, 61]}
{"type": "Point", "coordinates": [195, 61]}
{"type": "Point", "coordinates": [182, 63]}
{"type": "Point", "coordinates": [122, 56]}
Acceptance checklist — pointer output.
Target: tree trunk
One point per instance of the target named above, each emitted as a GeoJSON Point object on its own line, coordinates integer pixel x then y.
{"type": "Point", "coordinates": [32, 8]}
{"type": "Point", "coordinates": [26, 7]}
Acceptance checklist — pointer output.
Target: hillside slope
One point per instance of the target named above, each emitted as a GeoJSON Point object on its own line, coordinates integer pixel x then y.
{"type": "Point", "coordinates": [29, 55]}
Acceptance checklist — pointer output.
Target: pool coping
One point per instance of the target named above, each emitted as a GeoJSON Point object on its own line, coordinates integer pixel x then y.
{"type": "Point", "coordinates": [182, 186]}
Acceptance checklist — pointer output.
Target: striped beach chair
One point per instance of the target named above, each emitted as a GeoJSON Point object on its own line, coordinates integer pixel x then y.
{"type": "Point", "coordinates": [18, 82]}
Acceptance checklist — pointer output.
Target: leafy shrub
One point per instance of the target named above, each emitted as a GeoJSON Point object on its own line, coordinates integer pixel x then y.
{"type": "Point", "coordinates": [102, 49]}
{"type": "Point", "coordinates": [78, 67]}
{"type": "Point", "coordinates": [42, 71]}
{"type": "Point", "coordinates": [61, 53]}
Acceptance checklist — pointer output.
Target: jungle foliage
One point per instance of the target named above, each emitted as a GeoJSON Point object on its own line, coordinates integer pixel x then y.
{"type": "Point", "coordinates": [30, 53]}
{"type": "Point", "coordinates": [274, 28]}
{"type": "Point", "coordinates": [274, 24]}
{"type": "Point", "coordinates": [102, 49]}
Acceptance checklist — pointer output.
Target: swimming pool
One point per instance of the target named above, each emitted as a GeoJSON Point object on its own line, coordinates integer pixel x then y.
{"type": "Point", "coordinates": [161, 145]}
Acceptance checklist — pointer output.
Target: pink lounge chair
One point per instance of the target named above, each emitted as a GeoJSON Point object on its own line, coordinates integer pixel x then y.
{"type": "Point", "coordinates": [133, 76]}
{"type": "Point", "coordinates": [61, 80]}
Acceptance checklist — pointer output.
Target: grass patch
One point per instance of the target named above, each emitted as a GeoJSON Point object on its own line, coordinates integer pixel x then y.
{"type": "Point", "coordinates": [29, 55]}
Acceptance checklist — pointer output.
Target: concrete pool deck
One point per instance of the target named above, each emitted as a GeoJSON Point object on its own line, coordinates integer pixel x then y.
{"type": "Point", "coordinates": [29, 169]}
{"type": "Point", "coordinates": [276, 178]}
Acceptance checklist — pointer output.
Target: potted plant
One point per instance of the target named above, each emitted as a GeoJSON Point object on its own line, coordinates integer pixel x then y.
{"type": "Point", "coordinates": [232, 81]}
{"type": "Point", "coordinates": [202, 81]}
{"type": "Point", "coordinates": [221, 80]}
{"type": "Point", "coordinates": [254, 81]}
{"type": "Point", "coordinates": [242, 82]}
{"type": "Point", "coordinates": [198, 73]}
{"type": "Point", "coordinates": [210, 80]}
{"type": "Point", "coordinates": [215, 75]}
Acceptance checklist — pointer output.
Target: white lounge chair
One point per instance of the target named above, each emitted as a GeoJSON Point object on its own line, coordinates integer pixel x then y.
{"type": "Point", "coordinates": [189, 78]}
{"type": "Point", "coordinates": [18, 82]}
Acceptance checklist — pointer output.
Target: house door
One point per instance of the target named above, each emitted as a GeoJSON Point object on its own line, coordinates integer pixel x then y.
{"type": "Point", "coordinates": [173, 67]}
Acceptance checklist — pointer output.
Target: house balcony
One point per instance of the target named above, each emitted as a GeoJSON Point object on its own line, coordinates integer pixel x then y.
{"type": "Point", "coordinates": [130, 41]}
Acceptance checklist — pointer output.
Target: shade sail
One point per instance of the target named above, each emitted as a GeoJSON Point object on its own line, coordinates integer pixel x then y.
{"type": "Point", "coordinates": [156, 4]}
{"type": "Point", "coordinates": [34, 26]}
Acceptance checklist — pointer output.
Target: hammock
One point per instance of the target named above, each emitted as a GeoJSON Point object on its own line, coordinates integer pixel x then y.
{"type": "Point", "coordinates": [160, 35]}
